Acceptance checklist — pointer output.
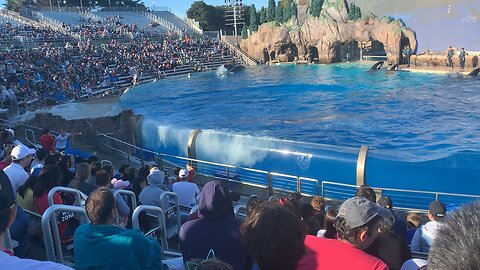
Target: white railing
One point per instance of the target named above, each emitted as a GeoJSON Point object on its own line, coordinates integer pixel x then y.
{"type": "Point", "coordinates": [194, 25]}
{"type": "Point", "coordinates": [162, 22]}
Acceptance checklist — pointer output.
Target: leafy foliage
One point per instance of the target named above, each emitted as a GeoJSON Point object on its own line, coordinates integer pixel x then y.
{"type": "Point", "coordinates": [210, 18]}
{"type": "Point", "coordinates": [279, 14]}
{"type": "Point", "coordinates": [253, 19]}
{"type": "Point", "coordinates": [263, 15]}
{"type": "Point", "coordinates": [244, 32]}
{"type": "Point", "coordinates": [354, 12]}
{"type": "Point", "coordinates": [271, 10]}
{"type": "Point", "coordinates": [316, 7]}
{"type": "Point", "coordinates": [287, 11]}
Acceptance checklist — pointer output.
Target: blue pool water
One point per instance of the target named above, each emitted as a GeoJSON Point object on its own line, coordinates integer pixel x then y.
{"type": "Point", "coordinates": [422, 129]}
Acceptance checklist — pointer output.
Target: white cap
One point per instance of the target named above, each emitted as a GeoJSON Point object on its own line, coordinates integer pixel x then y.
{"type": "Point", "coordinates": [183, 173]}
{"type": "Point", "coordinates": [21, 151]}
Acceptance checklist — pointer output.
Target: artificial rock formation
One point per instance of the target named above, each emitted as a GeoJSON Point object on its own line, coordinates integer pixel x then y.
{"type": "Point", "coordinates": [325, 33]}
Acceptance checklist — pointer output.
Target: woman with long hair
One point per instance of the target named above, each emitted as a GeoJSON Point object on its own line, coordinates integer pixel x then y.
{"type": "Point", "coordinates": [328, 230]}
{"type": "Point", "coordinates": [82, 175]}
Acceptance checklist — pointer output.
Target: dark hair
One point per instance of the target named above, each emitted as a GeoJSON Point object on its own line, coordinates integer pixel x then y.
{"type": "Point", "coordinates": [5, 219]}
{"type": "Point", "coordinates": [123, 167]}
{"type": "Point", "coordinates": [329, 224]}
{"type": "Point", "coordinates": [102, 178]}
{"type": "Point", "coordinates": [92, 158]}
{"type": "Point", "coordinates": [144, 171]}
{"type": "Point", "coordinates": [344, 232]}
{"type": "Point", "coordinates": [387, 223]}
{"type": "Point", "coordinates": [42, 153]}
{"type": "Point", "coordinates": [46, 131]}
{"type": "Point", "coordinates": [128, 174]}
{"type": "Point", "coordinates": [306, 211]}
{"type": "Point", "coordinates": [48, 178]}
{"type": "Point", "coordinates": [51, 159]}
{"type": "Point", "coordinates": [208, 265]}
{"type": "Point", "coordinates": [100, 203]}
{"type": "Point", "coordinates": [29, 184]}
{"type": "Point", "coordinates": [274, 237]}
{"type": "Point", "coordinates": [366, 192]}
{"type": "Point", "coordinates": [253, 203]}
{"type": "Point", "coordinates": [458, 237]}
{"type": "Point", "coordinates": [95, 167]}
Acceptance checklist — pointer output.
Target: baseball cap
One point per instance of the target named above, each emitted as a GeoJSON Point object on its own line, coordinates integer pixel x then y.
{"type": "Point", "coordinates": [385, 201]}
{"type": "Point", "coordinates": [358, 211]}
{"type": "Point", "coordinates": [21, 151]}
{"type": "Point", "coordinates": [7, 198]}
{"type": "Point", "coordinates": [183, 173]}
{"type": "Point", "coordinates": [413, 264]}
{"type": "Point", "coordinates": [437, 209]}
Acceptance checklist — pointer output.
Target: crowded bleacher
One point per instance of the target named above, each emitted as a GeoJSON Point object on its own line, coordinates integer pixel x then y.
{"type": "Point", "coordinates": [161, 219]}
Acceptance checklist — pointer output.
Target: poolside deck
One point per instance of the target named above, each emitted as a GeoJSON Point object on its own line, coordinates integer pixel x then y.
{"type": "Point", "coordinates": [437, 69]}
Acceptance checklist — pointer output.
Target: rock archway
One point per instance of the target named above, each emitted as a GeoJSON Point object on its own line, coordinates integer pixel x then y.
{"type": "Point", "coordinates": [312, 54]}
{"type": "Point", "coordinates": [288, 52]}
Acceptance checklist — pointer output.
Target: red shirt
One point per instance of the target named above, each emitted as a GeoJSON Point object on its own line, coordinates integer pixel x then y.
{"type": "Point", "coordinates": [326, 254]}
{"type": "Point", "coordinates": [42, 205]}
{"type": "Point", "coordinates": [47, 142]}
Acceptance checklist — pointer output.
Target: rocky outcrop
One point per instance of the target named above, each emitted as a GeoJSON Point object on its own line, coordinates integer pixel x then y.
{"type": "Point", "coordinates": [327, 33]}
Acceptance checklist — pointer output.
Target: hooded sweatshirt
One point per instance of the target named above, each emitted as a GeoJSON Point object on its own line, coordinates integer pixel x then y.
{"type": "Point", "coordinates": [217, 229]}
{"type": "Point", "coordinates": [113, 247]}
{"type": "Point", "coordinates": [423, 237]}
{"type": "Point", "coordinates": [150, 195]}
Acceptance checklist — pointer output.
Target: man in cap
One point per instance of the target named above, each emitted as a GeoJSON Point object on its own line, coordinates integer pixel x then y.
{"type": "Point", "coordinates": [424, 236]}
{"type": "Point", "coordinates": [357, 226]}
{"type": "Point", "coordinates": [8, 211]}
{"type": "Point", "coordinates": [187, 192]}
{"type": "Point", "coordinates": [400, 226]}
{"type": "Point", "coordinates": [22, 157]}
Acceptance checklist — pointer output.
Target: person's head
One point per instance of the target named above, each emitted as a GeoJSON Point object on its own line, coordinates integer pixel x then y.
{"type": "Point", "coordinates": [386, 202]}
{"type": "Point", "coordinates": [52, 159]}
{"type": "Point", "coordinates": [82, 173]}
{"type": "Point", "coordinates": [143, 172]}
{"type": "Point", "coordinates": [122, 168]}
{"type": "Point", "coordinates": [129, 173]}
{"type": "Point", "coordinates": [211, 264]}
{"type": "Point", "coordinates": [274, 237]}
{"type": "Point", "coordinates": [387, 222]}
{"type": "Point", "coordinates": [41, 154]}
{"type": "Point", "coordinates": [22, 155]}
{"type": "Point", "coordinates": [215, 201]}
{"type": "Point", "coordinates": [317, 203]}
{"type": "Point", "coordinates": [366, 192]}
{"type": "Point", "coordinates": [8, 207]}
{"type": "Point", "coordinates": [92, 159]}
{"type": "Point", "coordinates": [50, 176]}
{"type": "Point", "coordinates": [456, 243]}
{"type": "Point", "coordinates": [156, 178]}
{"type": "Point", "coordinates": [46, 131]}
{"type": "Point", "coordinates": [414, 220]}
{"type": "Point", "coordinates": [101, 207]}
{"type": "Point", "coordinates": [183, 174]}
{"type": "Point", "coordinates": [102, 178]}
{"type": "Point", "coordinates": [437, 211]}
{"type": "Point", "coordinates": [63, 132]}
{"type": "Point", "coordinates": [306, 211]}
{"type": "Point", "coordinates": [357, 222]}
{"type": "Point", "coordinates": [253, 204]}
{"type": "Point", "coordinates": [329, 224]}
{"type": "Point", "coordinates": [463, 49]}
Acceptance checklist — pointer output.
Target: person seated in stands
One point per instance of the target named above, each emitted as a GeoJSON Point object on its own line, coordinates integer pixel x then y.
{"type": "Point", "coordinates": [67, 169]}
{"type": "Point", "coordinates": [49, 178]}
{"type": "Point", "coordinates": [457, 243]}
{"type": "Point", "coordinates": [357, 226]}
{"type": "Point", "coordinates": [22, 157]}
{"type": "Point", "coordinates": [424, 236]}
{"type": "Point", "coordinates": [25, 193]}
{"type": "Point", "coordinates": [414, 221]}
{"type": "Point", "coordinates": [328, 230]}
{"type": "Point", "coordinates": [317, 203]}
{"type": "Point", "coordinates": [186, 191]}
{"type": "Point", "coordinates": [150, 195]}
{"type": "Point", "coordinates": [208, 264]}
{"type": "Point", "coordinates": [7, 160]}
{"type": "Point", "coordinates": [306, 213]}
{"type": "Point", "coordinates": [140, 181]}
{"type": "Point", "coordinates": [191, 172]}
{"type": "Point", "coordinates": [253, 204]}
{"type": "Point", "coordinates": [8, 211]}
{"type": "Point", "coordinates": [95, 166]}
{"type": "Point", "coordinates": [216, 228]}
{"type": "Point", "coordinates": [366, 192]}
{"type": "Point", "coordinates": [47, 141]}
{"type": "Point", "coordinates": [39, 160]}
{"type": "Point", "coordinates": [95, 242]}
{"type": "Point", "coordinates": [274, 237]}
{"type": "Point", "coordinates": [129, 175]}
{"type": "Point", "coordinates": [389, 246]}
{"type": "Point", "coordinates": [102, 180]}
{"type": "Point", "coordinates": [82, 174]}
{"type": "Point", "coordinates": [400, 227]}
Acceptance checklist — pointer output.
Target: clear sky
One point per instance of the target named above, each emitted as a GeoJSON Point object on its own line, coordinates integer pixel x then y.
{"type": "Point", "coordinates": [180, 6]}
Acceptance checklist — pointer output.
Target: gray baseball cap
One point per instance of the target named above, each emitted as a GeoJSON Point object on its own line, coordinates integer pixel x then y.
{"type": "Point", "coordinates": [358, 211]}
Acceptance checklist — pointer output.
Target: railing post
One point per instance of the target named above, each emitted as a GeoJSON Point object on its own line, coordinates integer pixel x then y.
{"type": "Point", "coordinates": [323, 190]}
{"type": "Point", "coordinates": [159, 162]}
{"type": "Point", "coordinates": [299, 185]}
{"type": "Point", "coordinates": [128, 155]}
{"type": "Point", "coordinates": [436, 197]}
{"type": "Point", "coordinates": [361, 165]}
{"type": "Point", "coordinates": [142, 157]}
{"type": "Point", "coordinates": [270, 184]}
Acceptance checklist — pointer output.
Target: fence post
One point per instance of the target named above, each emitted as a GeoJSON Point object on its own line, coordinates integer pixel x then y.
{"type": "Point", "coordinates": [436, 197]}
{"type": "Point", "coordinates": [323, 190]}
{"type": "Point", "coordinates": [270, 184]}
{"type": "Point", "coordinates": [299, 185]}
{"type": "Point", "coordinates": [128, 155]}
{"type": "Point", "coordinates": [142, 157]}
{"type": "Point", "coordinates": [159, 162]}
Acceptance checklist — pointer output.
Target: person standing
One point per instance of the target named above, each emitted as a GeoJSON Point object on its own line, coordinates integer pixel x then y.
{"type": "Point", "coordinates": [449, 56]}
{"type": "Point", "coordinates": [408, 54]}
{"type": "Point", "coordinates": [462, 58]}
{"type": "Point", "coordinates": [47, 141]}
{"type": "Point", "coordinates": [61, 140]}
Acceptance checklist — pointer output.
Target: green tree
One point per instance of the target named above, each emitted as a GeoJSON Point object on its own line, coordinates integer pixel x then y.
{"type": "Point", "coordinates": [287, 11]}
{"type": "Point", "coordinates": [358, 13]}
{"type": "Point", "coordinates": [263, 15]}
{"type": "Point", "coordinates": [279, 14]}
{"type": "Point", "coordinates": [253, 19]}
{"type": "Point", "coordinates": [316, 7]}
{"type": "Point", "coordinates": [294, 9]}
{"type": "Point", "coordinates": [210, 18]}
{"type": "Point", "coordinates": [271, 10]}
{"type": "Point", "coordinates": [244, 32]}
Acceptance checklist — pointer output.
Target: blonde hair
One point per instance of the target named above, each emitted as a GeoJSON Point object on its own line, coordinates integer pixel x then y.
{"type": "Point", "coordinates": [317, 203]}
{"type": "Point", "coordinates": [82, 173]}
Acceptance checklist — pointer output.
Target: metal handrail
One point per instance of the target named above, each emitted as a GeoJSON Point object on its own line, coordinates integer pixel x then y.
{"type": "Point", "coordinates": [238, 208]}
{"type": "Point", "coordinates": [53, 246]}
{"type": "Point", "coordinates": [160, 217]}
{"type": "Point", "coordinates": [176, 207]}
{"type": "Point", "coordinates": [75, 192]}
